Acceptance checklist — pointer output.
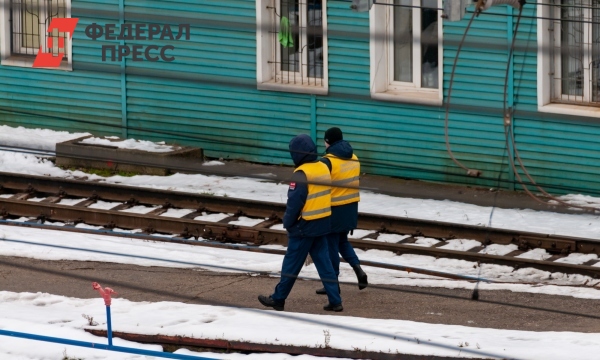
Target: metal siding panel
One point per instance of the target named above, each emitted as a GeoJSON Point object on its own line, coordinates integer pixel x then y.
{"type": "Point", "coordinates": [476, 133]}
{"type": "Point", "coordinates": [562, 152]}
{"type": "Point", "coordinates": [85, 100]}
{"type": "Point", "coordinates": [207, 97]}
{"type": "Point", "coordinates": [394, 138]}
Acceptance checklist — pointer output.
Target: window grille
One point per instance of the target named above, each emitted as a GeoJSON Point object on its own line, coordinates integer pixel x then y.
{"type": "Point", "coordinates": [575, 53]}
{"type": "Point", "coordinates": [29, 21]}
{"type": "Point", "coordinates": [297, 34]}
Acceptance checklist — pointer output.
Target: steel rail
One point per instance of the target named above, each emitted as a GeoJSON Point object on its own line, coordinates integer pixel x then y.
{"type": "Point", "coordinates": [232, 246]}
{"type": "Point", "coordinates": [257, 235]}
{"type": "Point", "coordinates": [248, 347]}
{"type": "Point", "coordinates": [202, 202]}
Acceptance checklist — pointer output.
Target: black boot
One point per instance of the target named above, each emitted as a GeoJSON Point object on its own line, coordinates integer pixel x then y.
{"type": "Point", "coordinates": [322, 291]}
{"type": "Point", "coordinates": [336, 308]}
{"type": "Point", "coordinates": [361, 276]}
{"type": "Point", "coordinates": [269, 302]}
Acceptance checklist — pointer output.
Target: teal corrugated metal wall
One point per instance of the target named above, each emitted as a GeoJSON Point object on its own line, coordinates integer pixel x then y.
{"type": "Point", "coordinates": [476, 133]}
{"type": "Point", "coordinates": [558, 150]}
{"type": "Point", "coordinates": [209, 92]}
{"type": "Point", "coordinates": [408, 140]}
{"type": "Point", "coordinates": [83, 100]}
{"type": "Point", "coordinates": [207, 97]}
{"type": "Point", "coordinates": [390, 138]}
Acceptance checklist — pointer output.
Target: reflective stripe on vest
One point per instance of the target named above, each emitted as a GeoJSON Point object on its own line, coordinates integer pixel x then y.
{"type": "Point", "coordinates": [345, 174]}
{"type": "Point", "coordinates": [318, 201]}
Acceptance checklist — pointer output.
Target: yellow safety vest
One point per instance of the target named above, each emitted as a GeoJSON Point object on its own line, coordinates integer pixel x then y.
{"type": "Point", "coordinates": [345, 174]}
{"type": "Point", "coordinates": [318, 201]}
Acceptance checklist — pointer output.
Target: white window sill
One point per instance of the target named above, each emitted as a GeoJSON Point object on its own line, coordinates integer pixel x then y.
{"type": "Point", "coordinates": [302, 89]}
{"type": "Point", "coordinates": [411, 96]}
{"type": "Point", "coordinates": [568, 109]}
{"type": "Point", "coordinates": [27, 61]}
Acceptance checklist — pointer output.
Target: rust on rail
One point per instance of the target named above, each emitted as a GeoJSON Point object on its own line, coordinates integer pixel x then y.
{"type": "Point", "coordinates": [25, 187]}
{"type": "Point", "coordinates": [248, 347]}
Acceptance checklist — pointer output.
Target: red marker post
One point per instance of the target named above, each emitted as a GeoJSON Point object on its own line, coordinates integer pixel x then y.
{"type": "Point", "coordinates": [105, 293]}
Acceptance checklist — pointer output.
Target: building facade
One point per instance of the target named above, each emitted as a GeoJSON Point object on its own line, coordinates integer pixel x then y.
{"type": "Point", "coordinates": [240, 78]}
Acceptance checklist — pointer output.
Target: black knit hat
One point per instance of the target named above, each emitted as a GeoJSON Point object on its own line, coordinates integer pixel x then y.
{"type": "Point", "coordinates": [333, 135]}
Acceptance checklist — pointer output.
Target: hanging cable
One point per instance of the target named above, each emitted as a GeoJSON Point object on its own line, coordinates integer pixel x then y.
{"type": "Point", "coordinates": [507, 113]}
{"type": "Point", "coordinates": [510, 138]}
{"type": "Point", "coordinates": [470, 172]}
{"type": "Point", "coordinates": [475, 293]}
{"type": "Point", "coordinates": [480, 6]}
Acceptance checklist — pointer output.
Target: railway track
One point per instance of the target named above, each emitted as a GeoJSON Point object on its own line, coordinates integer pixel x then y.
{"type": "Point", "coordinates": [125, 207]}
{"type": "Point", "coordinates": [175, 342]}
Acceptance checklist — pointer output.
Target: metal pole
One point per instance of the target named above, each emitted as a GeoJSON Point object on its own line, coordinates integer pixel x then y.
{"type": "Point", "coordinates": [109, 326]}
{"type": "Point", "coordinates": [91, 345]}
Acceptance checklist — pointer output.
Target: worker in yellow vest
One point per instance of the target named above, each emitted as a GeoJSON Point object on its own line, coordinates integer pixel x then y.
{"type": "Point", "coordinates": [345, 172]}
{"type": "Point", "coordinates": [307, 220]}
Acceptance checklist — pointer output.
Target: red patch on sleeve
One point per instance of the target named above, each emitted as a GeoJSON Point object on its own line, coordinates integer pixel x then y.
{"type": "Point", "coordinates": [292, 186]}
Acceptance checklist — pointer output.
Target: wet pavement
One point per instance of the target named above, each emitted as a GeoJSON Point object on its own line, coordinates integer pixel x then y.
{"type": "Point", "coordinates": [495, 309]}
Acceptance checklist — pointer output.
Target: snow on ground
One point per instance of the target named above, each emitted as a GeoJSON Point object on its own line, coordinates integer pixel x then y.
{"type": "Point", "coordinates": [577, 225]}
{"type": "Point", "coordinates": [60, 316]}
{"type": "Point", "coordinates": [584, 225]}
{"type": "Point", "coordinates": [579, 200]}
{"type": "Point", "coordinates": [42, 244]}
{"type": "Point", "coordinates": [41, 139]}
{"type": "Point", "coordinates": [131, 144]}
{"type": "Point", "coordinates": [66, 317]}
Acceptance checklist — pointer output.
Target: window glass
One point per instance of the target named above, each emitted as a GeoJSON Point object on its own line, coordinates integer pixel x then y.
{"type": "Point", "coordinates": [403, 33]}
{"type": "Point", "coordinates": [29, 29]}
{"type": "Point", "coordinates": [315, 38]}
{"type": "Point", "coordinates": [300, 39]}
{"type": "Point", "coordinates": [429, 44]}
{"type": "Point", "coordinates": [571, 48]}
{"type": "Point", "coordinates": [596, 50]}
{"type": "Point", "coordinates": [290, 45]}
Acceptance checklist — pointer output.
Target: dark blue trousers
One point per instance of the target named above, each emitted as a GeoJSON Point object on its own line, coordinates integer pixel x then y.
{"type": "Point", "coordinates": [298, 249]}
{"type": "Point", "coordinates": [338, 243]}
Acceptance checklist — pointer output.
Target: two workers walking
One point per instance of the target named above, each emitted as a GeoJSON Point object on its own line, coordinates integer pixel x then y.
{"type": "Point", "coordinates": [322, 208]}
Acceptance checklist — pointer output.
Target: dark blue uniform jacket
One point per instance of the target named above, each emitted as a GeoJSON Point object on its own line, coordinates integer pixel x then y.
{"type": "Point", "coordinates": [303, 150]}
{"type": "Point", "coordinates": [344, 217]}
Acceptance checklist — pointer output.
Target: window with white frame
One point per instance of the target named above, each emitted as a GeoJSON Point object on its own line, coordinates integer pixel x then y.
{"type": "Point", "coordinates": [24, 30]}
{"type": "Point", "coordinates": [406, 50]}
{"type": "Point", "coordinates": [292, 45]}
{"type": "Point", "coordinates": [569, 56]}
{"type": "Point", "coordinates": [576, 52]}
